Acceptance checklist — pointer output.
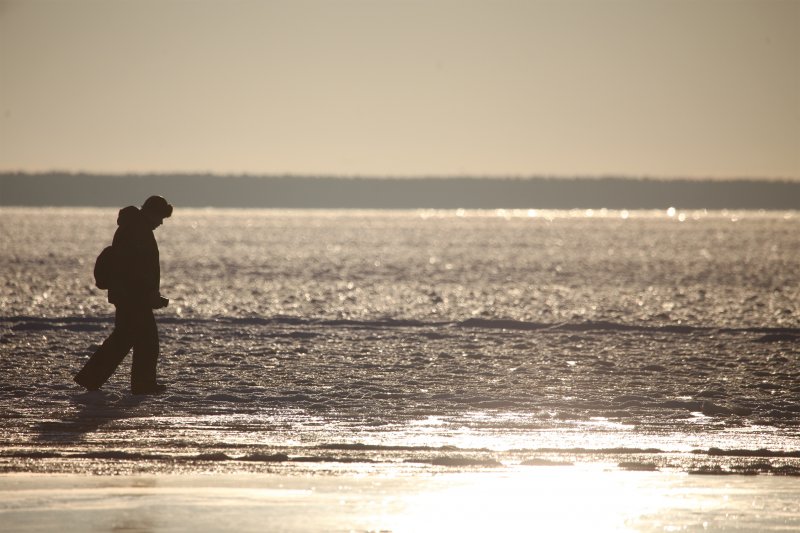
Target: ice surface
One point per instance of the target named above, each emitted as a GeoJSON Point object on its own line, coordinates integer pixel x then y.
{"type": "Point", "coordinates": [531, 499]}
{"type": "Point", "coordinates": [441, 340]}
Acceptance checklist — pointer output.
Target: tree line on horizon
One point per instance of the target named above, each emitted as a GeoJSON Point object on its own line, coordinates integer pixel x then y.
{"type": "Point", "coordinates": [208, 190]}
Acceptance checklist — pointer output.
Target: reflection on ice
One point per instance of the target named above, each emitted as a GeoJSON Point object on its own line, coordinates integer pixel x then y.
{"type": "Point", "coordinates": [562, 499]}
{"type": "Point", "coordinates": [531, 499]}
{"type": "Point", "coordinates": [540, 499]}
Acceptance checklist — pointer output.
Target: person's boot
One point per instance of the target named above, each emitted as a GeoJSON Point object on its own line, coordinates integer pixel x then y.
{"type": "Point", "coordinates": [89, 387]}
{"type": "Point", "coordinates": [156, 388]}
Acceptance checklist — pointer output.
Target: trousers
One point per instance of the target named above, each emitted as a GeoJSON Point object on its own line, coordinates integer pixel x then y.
{"type": "Point", "coordinates": [134, 327]}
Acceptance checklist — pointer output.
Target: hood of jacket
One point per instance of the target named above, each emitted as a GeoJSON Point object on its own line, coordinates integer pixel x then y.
{"type": "Point", "coordinates": [131, 216]}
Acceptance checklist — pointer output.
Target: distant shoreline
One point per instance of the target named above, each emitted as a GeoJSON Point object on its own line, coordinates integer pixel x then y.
{"type": "Point", "coordinates": [207, 190]}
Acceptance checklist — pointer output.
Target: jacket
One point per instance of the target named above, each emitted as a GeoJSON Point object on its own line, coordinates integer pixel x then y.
{"type": "Point", "coordinates": [137, 260]}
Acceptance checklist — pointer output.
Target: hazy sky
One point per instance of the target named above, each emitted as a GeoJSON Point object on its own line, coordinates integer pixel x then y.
{"type": "Point", "coordinates": [382, 87]}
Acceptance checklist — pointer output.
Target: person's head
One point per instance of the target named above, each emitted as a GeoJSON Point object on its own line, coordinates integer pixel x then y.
{"type": "Point", "coordinates": [156, 209]}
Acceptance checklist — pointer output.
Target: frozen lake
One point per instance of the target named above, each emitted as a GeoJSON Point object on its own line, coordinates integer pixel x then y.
{"type": "Point", "coordinates": [411, 343]}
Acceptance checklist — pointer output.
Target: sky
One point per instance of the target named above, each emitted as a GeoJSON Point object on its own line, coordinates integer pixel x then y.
{"type": "Point", "coordinates": [693, 89]}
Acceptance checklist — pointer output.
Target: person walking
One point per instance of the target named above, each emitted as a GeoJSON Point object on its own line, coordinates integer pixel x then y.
{"type": "Point", "coordinates": [134, 291]}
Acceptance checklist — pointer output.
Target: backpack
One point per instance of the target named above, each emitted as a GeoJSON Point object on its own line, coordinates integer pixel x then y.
{"type": "Point", "coordinates": [105, 269]}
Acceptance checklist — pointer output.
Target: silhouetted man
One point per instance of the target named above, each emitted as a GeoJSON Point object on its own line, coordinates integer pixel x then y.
{"type": "Point", "coordinates": [134, 291]}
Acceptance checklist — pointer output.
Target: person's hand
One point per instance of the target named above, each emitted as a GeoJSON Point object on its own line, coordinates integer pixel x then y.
{"type": "Point", "coordinates": [157, 301]}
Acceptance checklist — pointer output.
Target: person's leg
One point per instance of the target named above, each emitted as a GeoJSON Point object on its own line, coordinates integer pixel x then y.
{"type": "Point", "coordinates": [145, 352]}
{"type": "Point", "coordinates": [110, 354]}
